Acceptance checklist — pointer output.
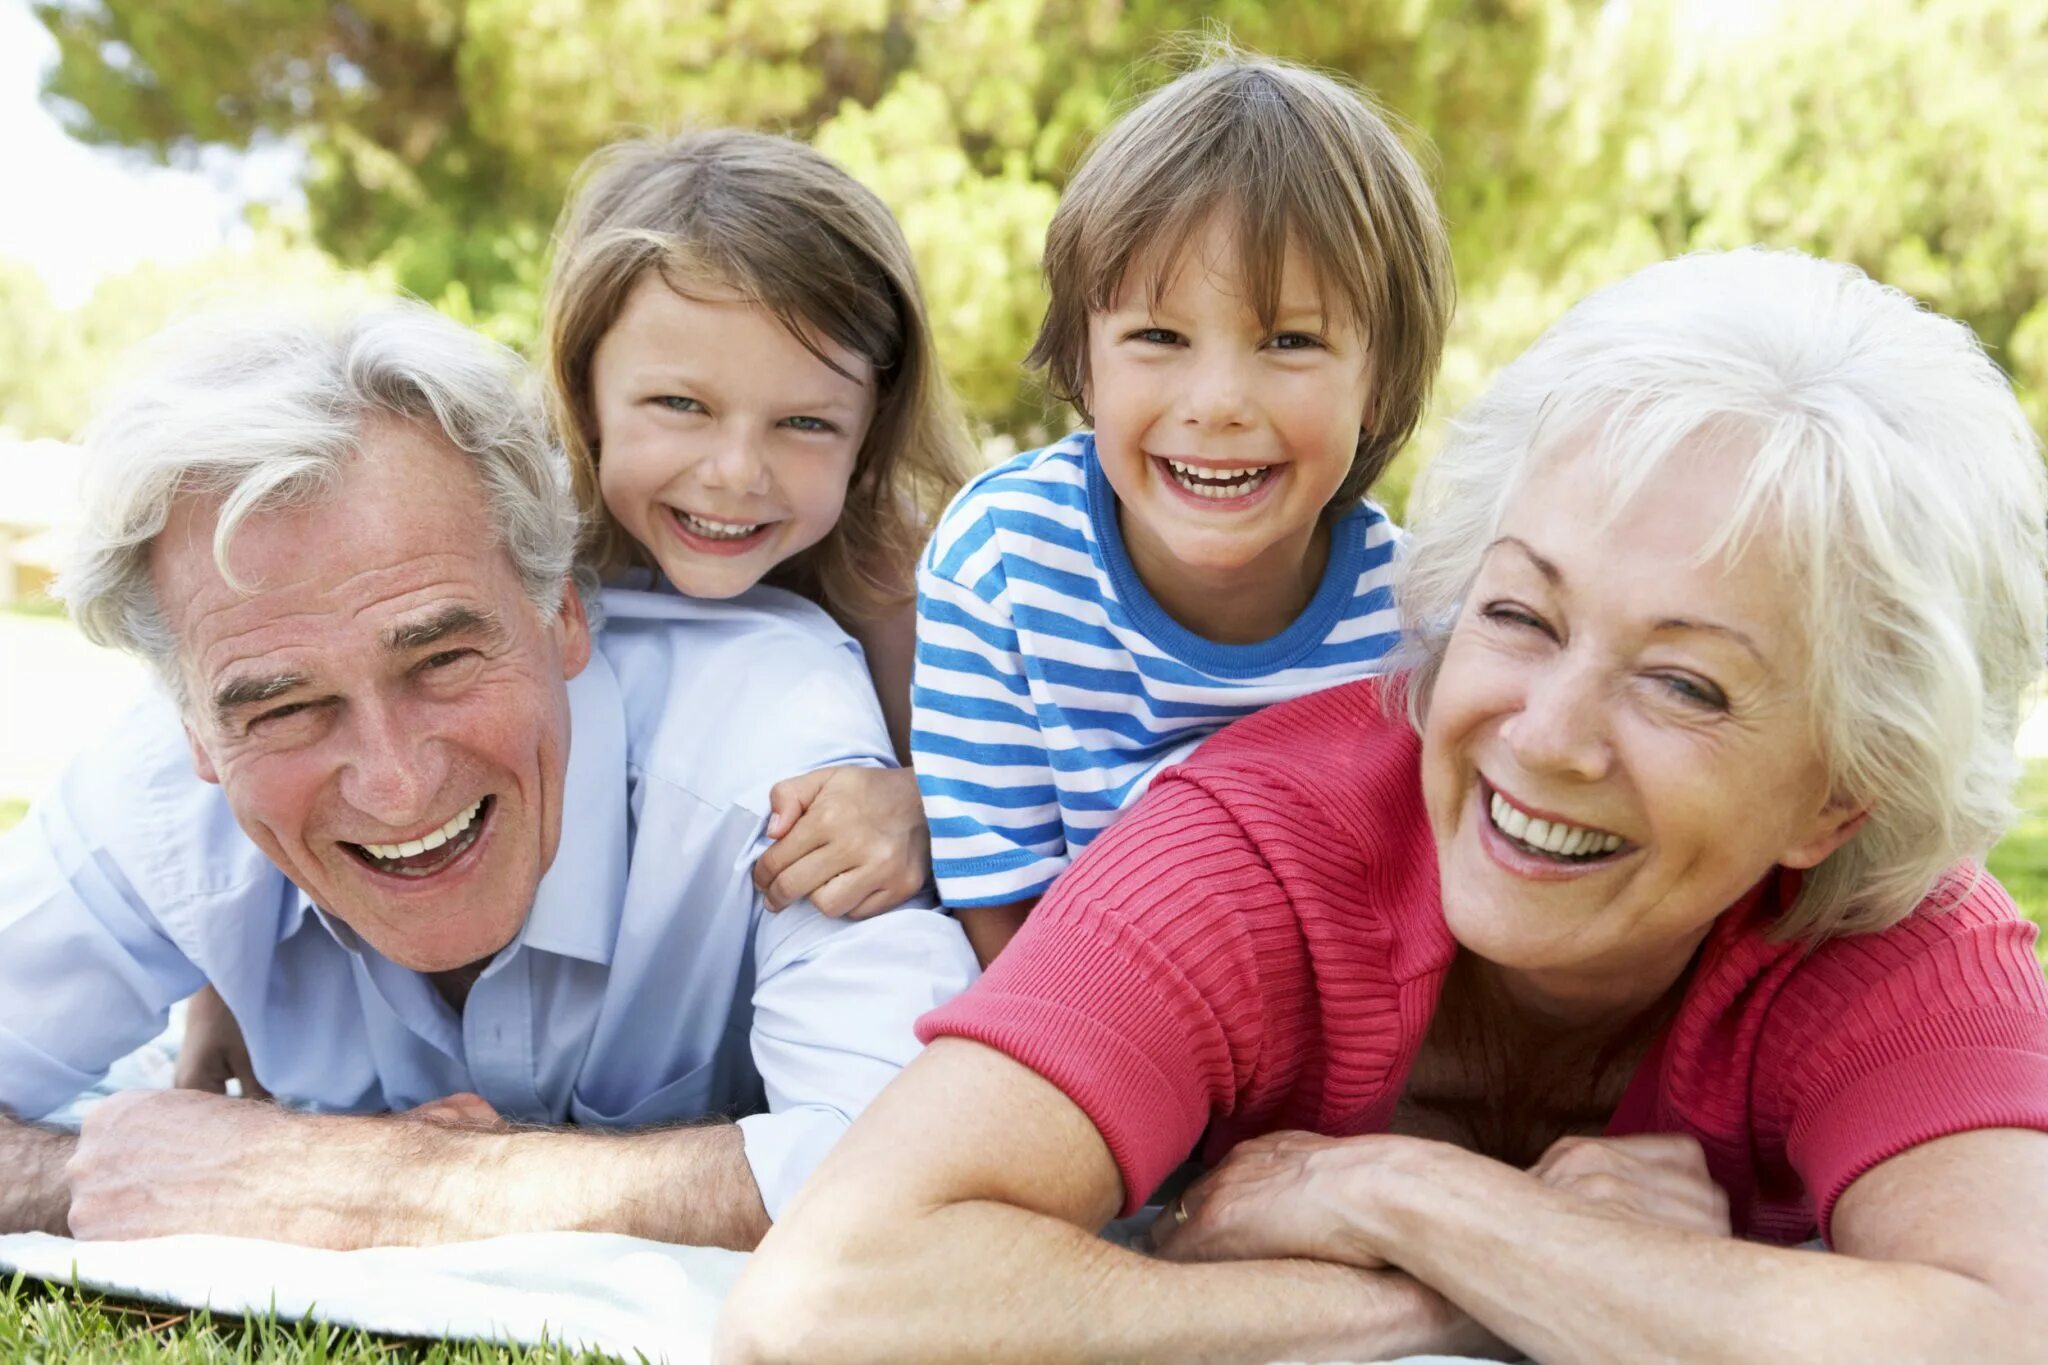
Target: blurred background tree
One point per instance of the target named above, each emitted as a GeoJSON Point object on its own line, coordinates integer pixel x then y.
{"type": "Point", "coordinates": [1573, 140]}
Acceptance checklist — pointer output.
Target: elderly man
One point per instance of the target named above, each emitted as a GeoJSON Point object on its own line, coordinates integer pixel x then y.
{"type": "Point", "coordinates": [460, 839]}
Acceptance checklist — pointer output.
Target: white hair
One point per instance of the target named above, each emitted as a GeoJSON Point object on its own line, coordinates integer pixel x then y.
{"type": "Point", "coordinates": [1886, 456]}
{"type": "Point", "coordinates": [262, 411]}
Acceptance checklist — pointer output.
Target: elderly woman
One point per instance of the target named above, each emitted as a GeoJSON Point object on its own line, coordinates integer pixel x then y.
{"type": "Point", "coordinates": [1538, 1000]}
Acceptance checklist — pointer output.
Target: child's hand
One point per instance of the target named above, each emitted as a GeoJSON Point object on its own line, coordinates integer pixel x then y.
{"type": "Point", "coordinates": [850, 840]}
{"type": "Point", "coordinates": [213, 1052]}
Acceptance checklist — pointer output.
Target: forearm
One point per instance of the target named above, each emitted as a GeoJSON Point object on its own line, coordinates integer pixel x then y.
{"type": "Point", "coordinates": [35, 1196]}
{"type": "Point", "coordinates": [990, 928]}
{"type": "Point", "coordinates": [685, 1185]}
{"type": "Point", "coordinates": [988, 1281]}
{"type": "Point", "coordinates": [1552, 1272]}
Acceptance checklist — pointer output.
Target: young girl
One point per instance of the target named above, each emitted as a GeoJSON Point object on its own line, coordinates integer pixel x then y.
{"type": "Point", "coordinates": [739, 366]}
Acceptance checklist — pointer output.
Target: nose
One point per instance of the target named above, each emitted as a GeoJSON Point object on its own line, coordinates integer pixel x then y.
{"type": "Point", "coordinates": [1218, 396]}
{"type": "Point", "coordinates": [737, 465]}
{"type": "Point", "coordinates": [1561, 726]}
{"type": "Point", "coordinates": [395, 770]}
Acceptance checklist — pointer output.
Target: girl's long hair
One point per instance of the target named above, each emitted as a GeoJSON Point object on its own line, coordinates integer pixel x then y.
{"type": "Point", "coordinates": [776, 222]}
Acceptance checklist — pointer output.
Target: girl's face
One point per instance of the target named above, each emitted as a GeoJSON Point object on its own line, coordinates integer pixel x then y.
{"type": "Point", "coordinates": [725, 446]}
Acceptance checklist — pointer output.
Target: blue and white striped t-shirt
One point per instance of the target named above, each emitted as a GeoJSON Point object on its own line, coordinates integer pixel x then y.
{"type": "Point", "coordinates": [1051, 688]}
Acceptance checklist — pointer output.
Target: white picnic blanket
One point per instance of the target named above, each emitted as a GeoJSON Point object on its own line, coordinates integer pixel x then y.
{"type": "Point", "coordinates": [590, 1291]}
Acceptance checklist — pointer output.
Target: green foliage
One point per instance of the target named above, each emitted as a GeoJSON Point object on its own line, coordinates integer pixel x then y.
{"type": "Point", "coordinates": [1575, 139]}
{"type": "Point", "coordinates": [2021, 858]}
{"type": "Point", "coordinates": [53, 360]}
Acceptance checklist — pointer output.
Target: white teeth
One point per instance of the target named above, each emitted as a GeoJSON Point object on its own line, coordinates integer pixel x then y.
{"type": "Point", "coordinates": [719, 530]}
{"type": "Point", "coordinates": [412, 847]}
{"type": "Point", "coordinates": [1204, 482]}
{"type": "Point", "coordinates": [1552, 837]}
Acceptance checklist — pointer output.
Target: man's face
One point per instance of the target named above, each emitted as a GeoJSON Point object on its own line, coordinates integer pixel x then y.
{"type": "Point", "coordinates": [383, 706]}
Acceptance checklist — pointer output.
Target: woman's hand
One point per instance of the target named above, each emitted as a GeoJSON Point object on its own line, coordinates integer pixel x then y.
{"type": "Point", "coordinates": [1652, 1178]}
{"type": "Point", "coordinates": [213, 1051]}
{"type": "Point", "coordinates": [1282, 1196]}
{"type": "Point", "coordinates": [851, 840]}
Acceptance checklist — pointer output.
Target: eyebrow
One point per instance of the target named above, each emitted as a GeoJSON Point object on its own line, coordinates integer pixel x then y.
{"type": "Point", "coordinates": [1555, 577]}
{"type": "Point", "coordinates": [443, 624]}
{"type": "Point", "coordinates": [237, 693]}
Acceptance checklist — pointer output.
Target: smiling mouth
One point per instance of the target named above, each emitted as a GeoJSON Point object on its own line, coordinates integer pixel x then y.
{"type": "Point", "coordinates": [430, 853]}
{"type": "Point", "coordinates": [1553, 839]}
{"type": "Point", "coordinates": [710, 528]}
{"type": "Point", "coordinates": [1219, 484]}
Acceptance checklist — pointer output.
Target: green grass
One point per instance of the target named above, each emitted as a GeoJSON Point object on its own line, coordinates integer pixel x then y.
{"type": "Point", "coordinates": [40, 1324]}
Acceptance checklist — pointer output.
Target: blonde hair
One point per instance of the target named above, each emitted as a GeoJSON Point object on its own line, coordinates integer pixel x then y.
{"type": "Point", "coordinates": [1299, 159]}
{"type": "Point", "coordinates": [1885, 456]}
{"type": "Point", "coordinates": [776, 222]}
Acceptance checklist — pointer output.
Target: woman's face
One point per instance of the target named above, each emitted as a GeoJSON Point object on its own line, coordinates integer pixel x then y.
{"type": "Point", "coordinates": [1618, 744]}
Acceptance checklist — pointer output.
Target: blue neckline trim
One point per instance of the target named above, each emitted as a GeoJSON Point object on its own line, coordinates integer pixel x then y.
{"type": "Point", "coordinates": [1302, 635]}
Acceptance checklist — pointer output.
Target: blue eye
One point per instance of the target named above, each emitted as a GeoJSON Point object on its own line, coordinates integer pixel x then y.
{"type": "Point", "coordinates": [1156, 336]}
{"type": "Point", "coordinates": [808, 424]}
{"type": "Point", "coordinates": [1296, 341]}
{"type": "Point", "coordinates": [677, 403]}
{"type": "Point", "coordinates": [1694, 691]}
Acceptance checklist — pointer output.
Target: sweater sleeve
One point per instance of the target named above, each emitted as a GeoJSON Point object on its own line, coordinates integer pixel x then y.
{"type": "Point", "coordinates": [1140, 984]}
{"type": "Point", "coordinates": [1884, 1041]}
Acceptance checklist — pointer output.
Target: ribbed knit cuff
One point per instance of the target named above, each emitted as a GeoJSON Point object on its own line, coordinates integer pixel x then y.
{"type": "Point", "coordinates": [1910, 1101]}
{"type": "Point", "coordinates": [1100, 1052]}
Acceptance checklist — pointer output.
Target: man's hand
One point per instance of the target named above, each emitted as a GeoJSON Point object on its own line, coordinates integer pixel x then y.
{"type": "Point", "coordinates": [150, 1163]}
{"type": "Point", "coordinates": [1283, 1196]}
{"type": "Point", "coordinates": [213, 1052]}
{"type": "Point", "coordinates": [460, 1110]}
{"type": "Point", "coordinates": [851, 840]}
{"type": "Point", "coordinates": [1651, 1178]}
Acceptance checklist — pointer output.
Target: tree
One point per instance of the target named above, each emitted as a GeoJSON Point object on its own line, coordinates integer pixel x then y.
{"type": "Point", "coordinates": [1574, 139]}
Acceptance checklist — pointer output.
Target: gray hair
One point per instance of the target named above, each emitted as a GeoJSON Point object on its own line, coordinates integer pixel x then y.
{"type": "Point", "coordinates": [1896, 471]}
{"type": "Point", "coordinates": [262, 411]}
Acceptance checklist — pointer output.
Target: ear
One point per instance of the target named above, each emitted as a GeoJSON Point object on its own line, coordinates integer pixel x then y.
{"type": "Point", "coordinates": [572, 632]}
{"type": "Point", "coordinates": [1834, 826]}
{"type": "Point", "coordinates": [202, 763]}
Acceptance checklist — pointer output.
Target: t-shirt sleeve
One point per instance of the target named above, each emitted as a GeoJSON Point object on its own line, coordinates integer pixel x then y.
{"type": "Point", "coordinates": [1139, 985]}
{"type": "Point", "coordinates": [1934, 1027]}
{"type": "Point", "coordinates": [981, 759]}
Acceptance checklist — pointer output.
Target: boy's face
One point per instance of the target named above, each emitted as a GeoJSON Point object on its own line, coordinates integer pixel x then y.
{"type": "Point", "coordinates": [1224, 439]}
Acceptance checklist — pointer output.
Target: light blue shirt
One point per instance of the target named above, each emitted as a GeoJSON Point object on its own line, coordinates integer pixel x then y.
{"type": "Point", "coordinates": [649, 982]}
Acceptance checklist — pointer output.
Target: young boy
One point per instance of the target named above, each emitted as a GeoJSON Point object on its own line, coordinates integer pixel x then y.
{"type": "Point", "coordinates": [1250, 287]}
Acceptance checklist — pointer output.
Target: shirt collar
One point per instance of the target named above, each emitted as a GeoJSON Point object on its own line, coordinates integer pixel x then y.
{"type": "Point", "coordinates": [577, 906]}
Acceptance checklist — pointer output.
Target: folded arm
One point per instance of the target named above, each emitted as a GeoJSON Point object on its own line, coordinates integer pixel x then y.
{"type": "Point", "coordinates": [1939, 1257]}
{"type": "Point", "coordinates": [954, 1222]}
{"type": "Point", "coordinates": [156, 1163]}
{"type": "Point", "coordinates": [34, 1195]}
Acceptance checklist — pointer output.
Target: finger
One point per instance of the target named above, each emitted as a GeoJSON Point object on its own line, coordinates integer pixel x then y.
{"type": "Point", "coordinates": [845, 894]}
{"type": "Point", "coordinates": [807, 876]}
{"type": "Point", "coordinates": [789, 798]}
{"type": "Point", "coordinates": [806, 837]}
{"type": "Point", "coordinates": [252, 1089]}
{"type": "Point", "coordinates": [879, 902]}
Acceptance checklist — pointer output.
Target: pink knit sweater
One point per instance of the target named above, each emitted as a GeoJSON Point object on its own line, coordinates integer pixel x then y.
{"type": "Point", "coordinates": [1259, 945]}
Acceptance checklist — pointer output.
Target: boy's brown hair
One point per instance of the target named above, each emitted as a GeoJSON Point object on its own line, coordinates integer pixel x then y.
{"type": "Point", "coordinates": [1296, 157]}
{"type": "Point", "coordinates": [776, 222]}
